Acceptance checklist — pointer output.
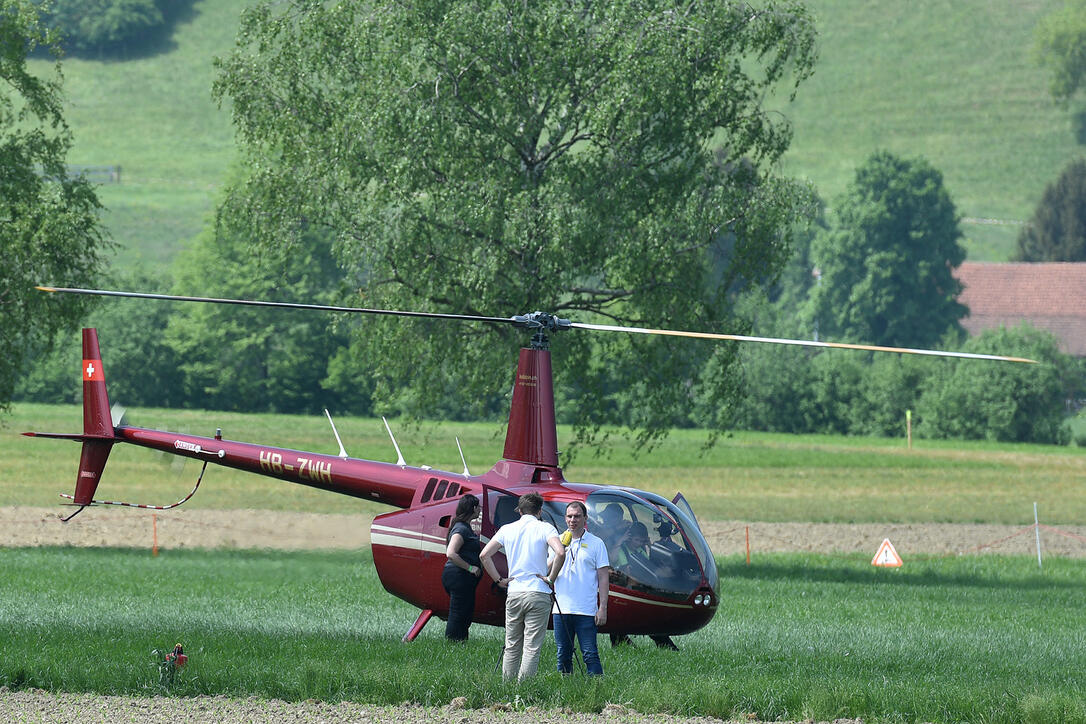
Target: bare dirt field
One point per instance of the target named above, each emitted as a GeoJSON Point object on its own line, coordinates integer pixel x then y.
{"type": "Point", "coordinates": [44, 706]}
{"type": "Point", "coordinates": [196, 528]}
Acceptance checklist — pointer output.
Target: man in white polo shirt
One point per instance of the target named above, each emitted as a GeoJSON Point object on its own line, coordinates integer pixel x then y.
{"type": "Point", "coordinates": [580, 593]}
{"type": "Point", "coordinates": [526, 543]}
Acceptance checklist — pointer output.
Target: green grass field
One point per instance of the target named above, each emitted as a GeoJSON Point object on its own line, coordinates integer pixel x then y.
{"type": "Point", "coordinates": [750, 476]}
{"type": "Point", "coordinates": [952, 82]}
{"type": "Point", "coordinates": [946, 640]}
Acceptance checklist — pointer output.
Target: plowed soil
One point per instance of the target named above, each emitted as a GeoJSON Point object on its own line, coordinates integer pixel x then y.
{"type": "Point", "coordinates": [196, 528]}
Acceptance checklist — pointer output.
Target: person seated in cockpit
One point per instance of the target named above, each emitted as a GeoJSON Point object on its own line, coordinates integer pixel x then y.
{"type": "Point", "coordinates": [632, 554]}
{"type": "Point", "coordinates": [613, 527]}
{"type": "Point", "coordinates": [664, 552]}
{"type": "Point", "coordinates": [632, 558]}
{"type": "Point", "coordinates": [666, 529]}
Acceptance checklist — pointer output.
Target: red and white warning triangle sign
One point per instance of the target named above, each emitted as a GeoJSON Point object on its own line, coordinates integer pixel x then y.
{"type": "Point", "coordinates": [886, 556]}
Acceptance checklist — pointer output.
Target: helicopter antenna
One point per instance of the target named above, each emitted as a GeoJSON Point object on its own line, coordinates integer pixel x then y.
{"type": "Point", "coordinates": [399, 455]}
{"type": "Point", "coordinates": [342, 451]}
{"type": "Point", "coordinates": [462, 459]}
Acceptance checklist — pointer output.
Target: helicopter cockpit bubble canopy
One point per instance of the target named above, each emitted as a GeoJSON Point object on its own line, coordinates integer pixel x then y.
{"type": "Point", "coordinates": [653, 545]}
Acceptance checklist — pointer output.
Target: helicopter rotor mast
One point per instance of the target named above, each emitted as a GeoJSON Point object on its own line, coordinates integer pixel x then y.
{"type": "Point", "coordinates": [543, 322]}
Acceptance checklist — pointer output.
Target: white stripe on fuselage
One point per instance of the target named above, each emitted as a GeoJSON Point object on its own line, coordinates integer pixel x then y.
{"type": "Point", "coordinates": [405, 532]}
{"type": "Point", "coordinates": [639, 599]}
{"type": "Point", "coordinates": [408, 543]}
{"type": "Point", "coordinates": [408, 539]}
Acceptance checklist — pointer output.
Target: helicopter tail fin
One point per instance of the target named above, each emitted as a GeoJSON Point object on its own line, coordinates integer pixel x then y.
{"type": "Point", "coordinates": [98, 436]}
{"type": "Point", "coordinates": [97, 423]}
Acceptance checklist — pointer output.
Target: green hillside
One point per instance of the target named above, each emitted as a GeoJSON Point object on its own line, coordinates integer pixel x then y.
{"type": "Point", "coordinates": [950, 81]}
{"type": "Point", "coordinates": [154, 117]}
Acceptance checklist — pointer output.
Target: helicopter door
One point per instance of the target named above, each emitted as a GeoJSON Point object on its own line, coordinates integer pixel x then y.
{"type": "Point", "coordinates": [680, 502]}
{"type": "Point", "coordinates": [499, 508]}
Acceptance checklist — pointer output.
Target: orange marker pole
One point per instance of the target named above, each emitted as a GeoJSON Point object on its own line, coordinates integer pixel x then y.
{"type": "Point", "coordinates": [154, 534]}
{"type": "Point", "coordinates": [748, 545]}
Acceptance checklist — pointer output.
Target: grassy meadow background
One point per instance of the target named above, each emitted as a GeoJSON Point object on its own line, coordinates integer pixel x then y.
{"type": "Point", "coordinates": [747, 476]}
{"type": "Point", "coordinates": [950, 81]}
{"type": "Point", "coordinates": [953, 82]}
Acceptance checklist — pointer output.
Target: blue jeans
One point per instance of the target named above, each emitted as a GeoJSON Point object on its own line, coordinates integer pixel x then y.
{"type": "Point", "coordinates": [570, 625]}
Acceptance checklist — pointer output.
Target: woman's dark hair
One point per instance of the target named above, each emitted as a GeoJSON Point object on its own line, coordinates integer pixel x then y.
{"type": "Point", "coordinates": [465, 509]}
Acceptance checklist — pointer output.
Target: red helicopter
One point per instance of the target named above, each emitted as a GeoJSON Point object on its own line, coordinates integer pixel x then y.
{"type": "Point", "coordinates": [671, 590]}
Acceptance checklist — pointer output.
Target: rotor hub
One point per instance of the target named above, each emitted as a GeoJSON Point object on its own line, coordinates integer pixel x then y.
{"type": "Point", "coordinates": [542, 323]}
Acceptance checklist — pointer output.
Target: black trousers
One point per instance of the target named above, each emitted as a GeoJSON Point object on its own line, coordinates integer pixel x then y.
{"type": "Point", "coordinates": [460, 585]}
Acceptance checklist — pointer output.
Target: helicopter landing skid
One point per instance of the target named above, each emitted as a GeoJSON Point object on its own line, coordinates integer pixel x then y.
{"type": "Point", "coordinates": [420, 622]}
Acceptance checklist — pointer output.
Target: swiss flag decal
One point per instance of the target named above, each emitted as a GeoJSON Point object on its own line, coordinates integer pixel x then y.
{"type": "Point", "coordinates": [92, 370]}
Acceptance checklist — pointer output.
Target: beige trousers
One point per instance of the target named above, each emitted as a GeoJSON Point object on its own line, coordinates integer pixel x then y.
{"type": "Point", "coordinates": [526, 616]}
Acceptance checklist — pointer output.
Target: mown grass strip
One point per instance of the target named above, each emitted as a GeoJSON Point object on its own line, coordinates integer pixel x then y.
{"type": "Point", "coordinates": [954, 639]}
{"type": "Point", "coordinates": [748, 476]}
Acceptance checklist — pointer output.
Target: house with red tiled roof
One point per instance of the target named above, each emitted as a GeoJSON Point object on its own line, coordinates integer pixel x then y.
{"type": "Point", "coordinates": [1049, 296]}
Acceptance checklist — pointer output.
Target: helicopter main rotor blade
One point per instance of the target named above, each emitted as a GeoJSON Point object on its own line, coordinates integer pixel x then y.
{"type": "Point", "coordinates": [799, 342]}
{"type": "Point", "coordinates": [540, 320]}
{"type": "Point", "coordinates": [284, 305]}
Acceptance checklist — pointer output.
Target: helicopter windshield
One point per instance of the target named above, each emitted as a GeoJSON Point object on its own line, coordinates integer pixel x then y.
{"type": "Point", "coordinates": [685, 518]}
{"type": "Point", "coordinates": [652, 546]}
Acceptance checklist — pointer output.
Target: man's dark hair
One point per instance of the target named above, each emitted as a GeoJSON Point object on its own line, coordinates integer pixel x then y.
{"type": "Point", "coordinates": [579, 504]}
{"type": "Point", "coordinates": [530, 503]}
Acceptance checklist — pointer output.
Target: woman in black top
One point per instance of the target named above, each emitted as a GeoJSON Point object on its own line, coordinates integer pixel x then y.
{"type": "Point", "coordinates": [462, 571]}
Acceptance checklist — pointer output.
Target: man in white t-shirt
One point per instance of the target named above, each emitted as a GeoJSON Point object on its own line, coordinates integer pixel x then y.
{"type": "Point", "coordinates": [580, 593]}
{"type": "Point", "coordinates": [526, 543]}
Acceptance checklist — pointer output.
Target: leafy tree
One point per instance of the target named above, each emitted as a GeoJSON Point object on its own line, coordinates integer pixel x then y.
{"type": "Point", "coordinates": [891, 385]}
{"type": "Point", "coordinates": [49, 230]}
{"type": "Point", "coordinates": [838, 382]}
{"type": "Point", "coordinates": [775, 380]}
{"type": "Point", "coordinates": [498, 157]}
{"type": "Point", "coordinates": [778, 382]}
{"type": "Point", "coordinates": [1060, 45]}
{"type": "Point", "coordinates": [1057, 231]}
{"type": "Point", "coordinates": [141, 368]}
{"type": "Point", "coordinates": [998, 401]}
{"type": "Point", "coordinates": [240, 358]}
{"type": "Point", "coordinates": [887, 264]}
{"type": "Point", "coordinates": [798, 276]}
{"type": "Point", "coordinates": [97, 25]}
